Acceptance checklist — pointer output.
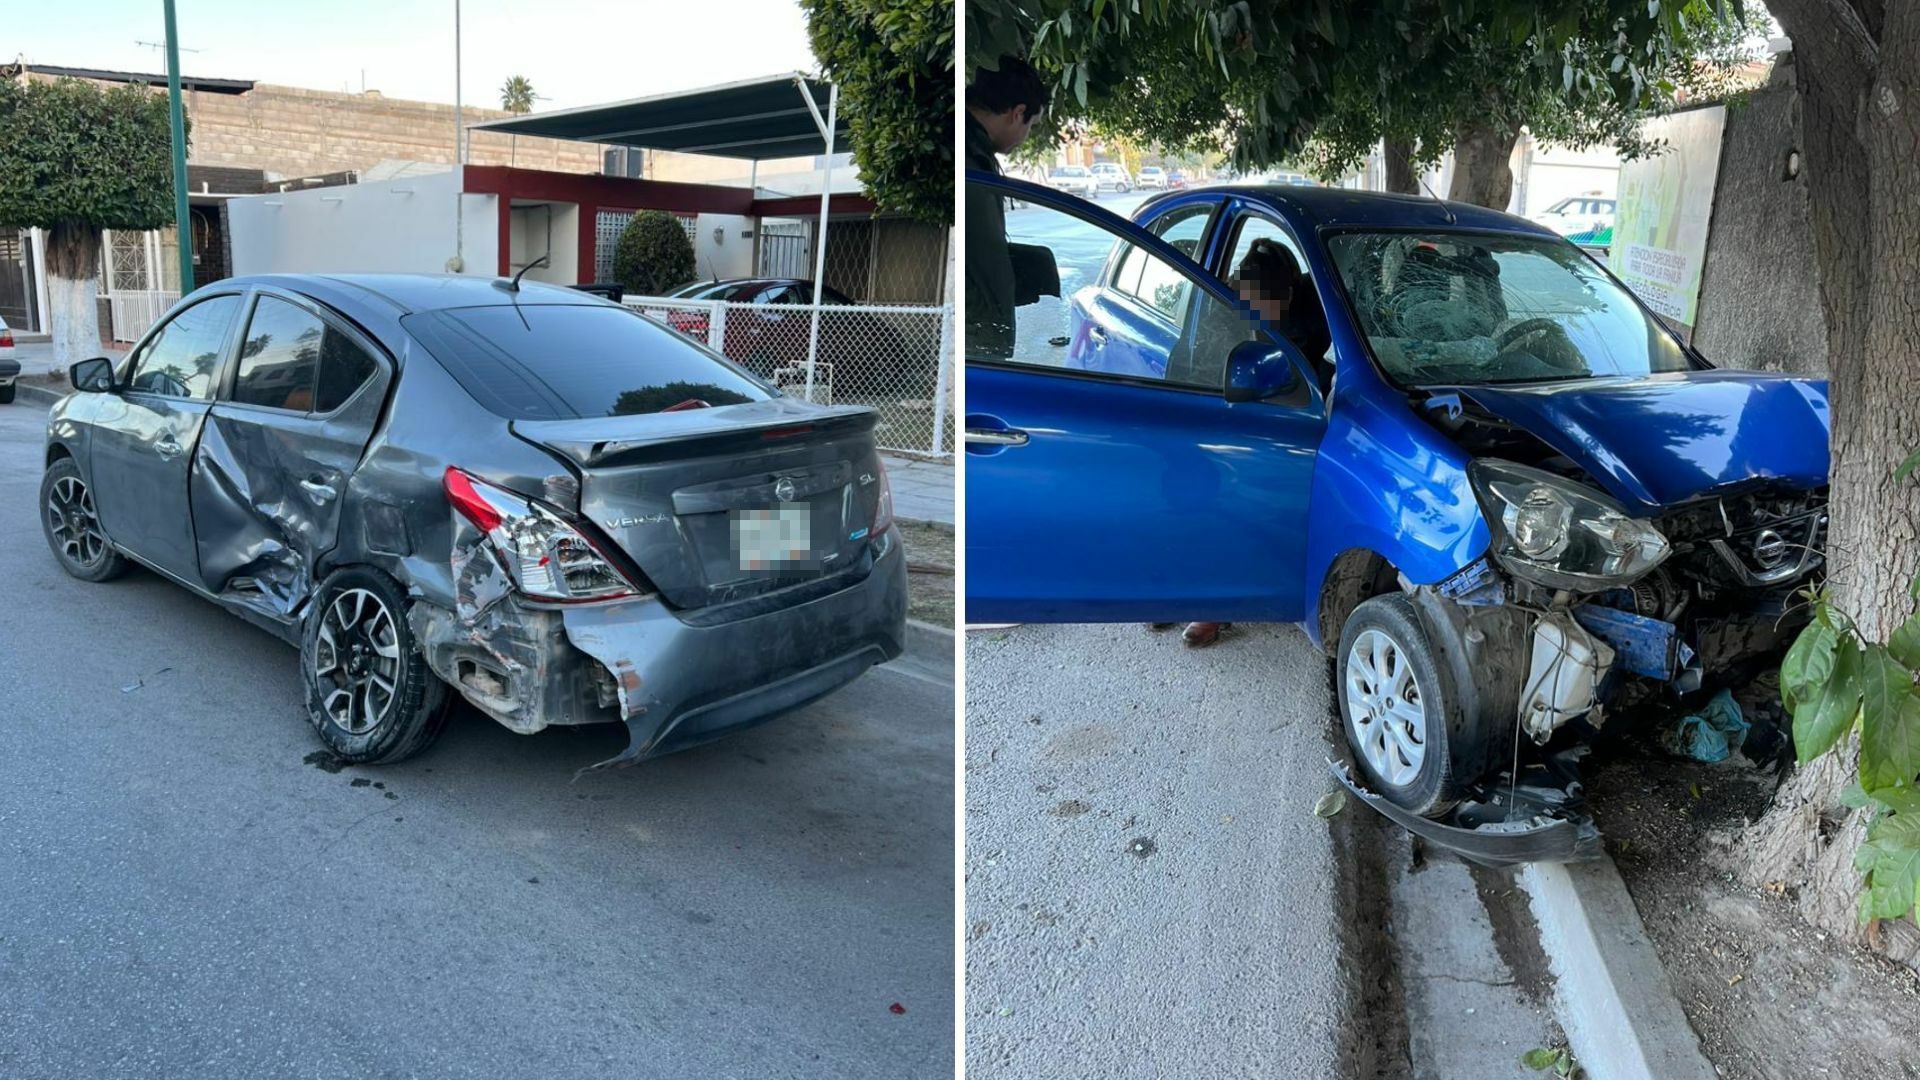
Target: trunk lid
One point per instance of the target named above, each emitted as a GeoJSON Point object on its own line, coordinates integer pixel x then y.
{"type": "Point", "coordinates": [722, 504]}
{"type": "Point", "coordinates": [1659, 440]}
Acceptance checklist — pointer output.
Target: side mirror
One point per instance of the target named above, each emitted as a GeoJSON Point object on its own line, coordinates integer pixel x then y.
{"type": "Point", "coordinates": [95, 375]}
{"type": "Point", "coordinates": [1258, 370]}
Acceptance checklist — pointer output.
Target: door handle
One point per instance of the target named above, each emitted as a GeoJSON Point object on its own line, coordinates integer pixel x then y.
{"type": "Point", "coordinates": [319, 491]}
{"type": "Point", "coordinates": [168, 446]}
{"type": "Point", "coordinates": [997, 436]}
{"type": "Point", "coordinates": [1096, 335]}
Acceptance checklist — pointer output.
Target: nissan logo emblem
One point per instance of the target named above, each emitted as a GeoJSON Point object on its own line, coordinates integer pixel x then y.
{"type": "Point", "coordinates": [783, 489]}
{"type": "Point", "coordinates": [1769, 548]}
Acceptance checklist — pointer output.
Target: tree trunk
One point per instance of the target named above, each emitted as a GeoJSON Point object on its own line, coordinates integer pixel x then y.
{"type": "Point", "coordinates": [72, 263]}
{"type": "Point", "coordinates": [1400, 175]}
{"type": "Point", "coordinates": [1482, 166]}
{"type": "Point", "coordinates": [1859, 122]}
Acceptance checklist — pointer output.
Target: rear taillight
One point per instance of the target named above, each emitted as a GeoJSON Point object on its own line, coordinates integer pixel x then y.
{"type": "Point", "coordinates": [6, 339]}
{"type": "Point", "coordinates": [690, 325]}
{"type": "Point", "coordinates": [547, 558]}
{"type": "Point", "coordinates": [883, 507]}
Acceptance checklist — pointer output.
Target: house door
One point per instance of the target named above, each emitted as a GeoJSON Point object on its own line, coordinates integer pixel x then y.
{"type": "Point", "coordinates": [16, 281]}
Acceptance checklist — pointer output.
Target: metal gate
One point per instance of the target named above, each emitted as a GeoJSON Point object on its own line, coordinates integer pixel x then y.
{"type": "Point", "coordinates": [135, 275]}
{"type": "Point", "coordinates": [785, 250]}
{"type": "Point", "coordinates": [17, 290]}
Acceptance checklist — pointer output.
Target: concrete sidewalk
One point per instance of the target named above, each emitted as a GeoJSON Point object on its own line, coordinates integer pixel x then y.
{"type": "Point", "coordinates": [922, 490]}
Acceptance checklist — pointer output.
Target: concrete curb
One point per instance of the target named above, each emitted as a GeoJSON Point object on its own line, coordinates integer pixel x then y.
{"type": "Point", "coordinates": [37, 395]}
{"type": "Point", "coordinates": [1611, 992]}
{"type": "Point", "coordinates": [925, 641]}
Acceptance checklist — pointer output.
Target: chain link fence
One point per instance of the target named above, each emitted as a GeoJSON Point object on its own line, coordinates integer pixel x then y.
{"type": "Point", "coordinates": [896, 358]}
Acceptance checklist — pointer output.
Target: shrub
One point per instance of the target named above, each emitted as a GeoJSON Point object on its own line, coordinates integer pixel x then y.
{"type": "Point", "coordinates": [654, 254]}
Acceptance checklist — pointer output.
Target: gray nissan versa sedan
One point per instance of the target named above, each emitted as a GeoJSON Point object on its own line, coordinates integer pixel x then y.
{"type": "Point", "coordinates": [566, 512]}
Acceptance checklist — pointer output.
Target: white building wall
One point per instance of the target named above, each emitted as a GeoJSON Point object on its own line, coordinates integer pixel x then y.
{"type": "Point", "coordinates": [395, 226]}
{"type": "Point", "coordinates": [723, 246]}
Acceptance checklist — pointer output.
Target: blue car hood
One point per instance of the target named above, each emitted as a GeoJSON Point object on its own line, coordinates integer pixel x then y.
{"type": "Point", "coordinates": [1659, 440]}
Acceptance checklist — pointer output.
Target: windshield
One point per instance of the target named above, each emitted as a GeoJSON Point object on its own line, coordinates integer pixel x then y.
{"type": "Point", "coordinates": [1452, 307]}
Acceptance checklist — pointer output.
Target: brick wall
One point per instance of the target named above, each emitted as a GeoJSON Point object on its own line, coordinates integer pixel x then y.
{"type": "Point", "coordinates": [299, 132]}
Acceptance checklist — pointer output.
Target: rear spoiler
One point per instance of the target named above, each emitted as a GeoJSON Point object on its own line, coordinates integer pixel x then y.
{"type": "Point", "coordinates": [629, 440]}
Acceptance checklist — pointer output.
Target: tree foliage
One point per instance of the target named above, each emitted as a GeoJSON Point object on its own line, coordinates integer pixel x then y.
{"type": "Point", "coordinates": [1259, 81]}
{"type": "Point", "coordinates": [893, 62]}
{"type": "Point", "coordinates": [516, 95]}
{"type": "Point", "coordinates": [75, 155]}
{"type": "Point", "coordinates": [653, 255]}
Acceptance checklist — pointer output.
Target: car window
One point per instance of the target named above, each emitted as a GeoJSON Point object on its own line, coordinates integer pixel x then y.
{"type": "Point", "coordinates": [279, 356]}
{"type": "Point", "coordinates": [1442, 308]}
{"type": "Point", "coordinates": [1305, 323]}
{"type": "Point", "coordinates": [553, 361]}
{"type": "Point", "coordinates": [183, 359]}
{"type": "Point", "coordinates": [344, 368]}
{"type": "Point", "coordinates": [1065, 316]}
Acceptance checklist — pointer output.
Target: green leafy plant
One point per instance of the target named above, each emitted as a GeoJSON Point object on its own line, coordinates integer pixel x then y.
{"type": "Point", "coordinates": [653, 255]}
{"type": "Point", "coordinates": [893, 61]}
{"type": "Point", "coordinates": [1835, 682]}
{"type": "Point", "coordinates": [1557, 1060]}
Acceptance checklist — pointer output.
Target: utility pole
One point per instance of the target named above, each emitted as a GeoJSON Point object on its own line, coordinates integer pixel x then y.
{"type": "Point", "coordinates": [177, 116]}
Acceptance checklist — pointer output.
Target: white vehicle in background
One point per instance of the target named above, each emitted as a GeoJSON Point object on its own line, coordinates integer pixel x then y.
{"type": "Point", "coordinates": [1152, 178]}
{"type": "Point", "coordinates": [1074, 180]}
{"type": "Point", "coordinates": [1112, 176]}
{"type": "Point", "coordinates": [1578, 215]}
{"type": "Point", "coordinates": [9, 364]}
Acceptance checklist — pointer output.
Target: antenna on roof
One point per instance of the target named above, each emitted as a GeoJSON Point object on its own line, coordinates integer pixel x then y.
{"type": "Point", "coordinates": [1444, 208]}
{"type": "Point", "coordinates": [514, 285]}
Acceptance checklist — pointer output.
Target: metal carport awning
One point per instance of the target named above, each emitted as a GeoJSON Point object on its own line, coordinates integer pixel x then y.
{"type": "Point", "coordinates": [778, 116]}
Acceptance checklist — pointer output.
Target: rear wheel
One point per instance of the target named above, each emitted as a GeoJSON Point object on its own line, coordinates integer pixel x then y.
{"type": "Point", "coordinates": [370, 694]}
{"type": "Point", "coordinates": [1400, 709]}
{"type": "Point", "coordinates": [72, 525]}
{"type": "Point", "coordinates": [6, 394]}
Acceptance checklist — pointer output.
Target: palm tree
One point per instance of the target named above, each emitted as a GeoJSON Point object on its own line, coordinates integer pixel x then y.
{"type": "Point", "coordinates": [516, 95]}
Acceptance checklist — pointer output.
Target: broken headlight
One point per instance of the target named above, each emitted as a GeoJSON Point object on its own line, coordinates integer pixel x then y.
{"type": "Point", "coordinates": [1561, 534]}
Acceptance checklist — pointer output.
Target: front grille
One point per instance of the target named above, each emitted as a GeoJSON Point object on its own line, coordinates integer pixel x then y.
{"type": "Point", "coordinates": [1758, 540]}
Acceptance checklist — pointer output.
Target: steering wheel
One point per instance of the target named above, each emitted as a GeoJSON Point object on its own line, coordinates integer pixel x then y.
{"type": "Point", "coordinates": [1505, 339]}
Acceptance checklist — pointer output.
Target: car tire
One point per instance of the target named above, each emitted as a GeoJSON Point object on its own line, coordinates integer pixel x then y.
{"type": "Point", "coordinates": [1405, 721]}
{"type": "Point", "coordinates": [72, 525]}
{"type": "Point", "coordinates": [370, 693]}
{"type": "Point", "coordinates": [6, 394]}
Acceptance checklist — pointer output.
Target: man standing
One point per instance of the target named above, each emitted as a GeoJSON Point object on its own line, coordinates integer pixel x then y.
{"type": "Point", "coordinates": [1002, 106]}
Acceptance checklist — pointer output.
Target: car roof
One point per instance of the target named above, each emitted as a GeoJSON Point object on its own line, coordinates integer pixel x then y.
{"type": "Point", "coordinates": [1308, 208]}
{"type": "Point", "coordinates": [409, 293]}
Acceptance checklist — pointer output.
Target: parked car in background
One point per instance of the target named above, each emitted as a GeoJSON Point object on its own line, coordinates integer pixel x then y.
{"type": "Point", "coordinates": [9, 365]}
{"type": "Point", "coordinates": [1579, 215]}
{"type": "Point", "coordinates": [1074, 180]}
{"type": "Point", "coordinates": [1533, 508]}
{"type": "Point", "coordinates": [552, 506]}
{"type": "Point", "coordinates": [1153, 178]}
{"type": "Point", "coordinates": [1176, 181]}
{"type": "Point", "coordinates": [1112, 176]}
{"type": "Point", "coordinates": [868, 355]}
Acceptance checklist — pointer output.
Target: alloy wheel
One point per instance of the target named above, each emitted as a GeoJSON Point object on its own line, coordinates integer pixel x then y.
{"type": "Point", "coordinates": [74, 524]}
{"type": "Point", "coordinates": [1385, 708]}
{"type": "Point", "coordinates": [357, 661]}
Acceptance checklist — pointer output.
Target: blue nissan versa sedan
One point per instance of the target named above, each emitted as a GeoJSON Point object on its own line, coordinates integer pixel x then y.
{"type": "Point", "coordinates": [1505, 496]}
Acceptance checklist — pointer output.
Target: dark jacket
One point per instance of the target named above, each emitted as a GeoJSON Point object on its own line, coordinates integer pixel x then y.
{"type": "Point", "coordinates": [989, 294]}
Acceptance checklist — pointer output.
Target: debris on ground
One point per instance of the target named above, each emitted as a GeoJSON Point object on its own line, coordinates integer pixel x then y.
{"type": "Point", "coordinates": [1710, 735]}
{"type": "Point", "coordinates": [929, 547]}
{"type": "Point", "coordinates": [1768, 995]}
{"type": "Point", "coordinates": [1331, 803]}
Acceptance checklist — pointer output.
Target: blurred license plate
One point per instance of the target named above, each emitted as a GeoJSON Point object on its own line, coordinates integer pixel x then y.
{"type": "Point", "coordinates": [767, 538]}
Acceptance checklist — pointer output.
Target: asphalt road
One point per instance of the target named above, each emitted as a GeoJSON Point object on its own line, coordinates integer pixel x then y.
{"type": "Point", "coordinates": [1149, 893]}
{"type": "Point", "coordinates": [181, 894]}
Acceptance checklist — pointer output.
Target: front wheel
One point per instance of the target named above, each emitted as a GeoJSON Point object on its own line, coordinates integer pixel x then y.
{"type": "Point", "coordinates": [1400, 709]}
{"type": "Point", "coordinates": [72, 525]}
{"type": "Point", "coordinates": [370, 693]}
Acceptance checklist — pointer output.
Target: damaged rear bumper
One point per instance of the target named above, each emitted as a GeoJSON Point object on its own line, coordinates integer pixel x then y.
{"type": "Point", "coordinates": [1538, 839]}
{"type": "Point", "coordinates": [675, 678]}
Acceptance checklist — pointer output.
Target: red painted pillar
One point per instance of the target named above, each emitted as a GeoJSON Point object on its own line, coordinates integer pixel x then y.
{"type": "Point", "coordinates": [589, 215]}
{"type": "Point", "coordinates": [505, 203]}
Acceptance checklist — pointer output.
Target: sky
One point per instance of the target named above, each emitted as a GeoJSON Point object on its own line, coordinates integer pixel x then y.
{"type": "Point", "coordinates": [575, 52]}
